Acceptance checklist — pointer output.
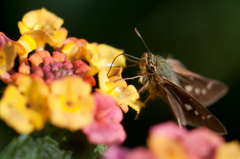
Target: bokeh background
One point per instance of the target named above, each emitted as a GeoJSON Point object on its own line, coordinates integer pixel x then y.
{"type": "Point", "coordinates": [204, 35]}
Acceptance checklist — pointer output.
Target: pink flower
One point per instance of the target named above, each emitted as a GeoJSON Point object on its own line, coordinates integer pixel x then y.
{"type": "Point", "coordinates": [140, 153]}
{"type": "Point", "coordinates": [106, 128]}
{"type": "Point", "coordinates": [202, 143]}
{"type": "Point", "coordinates": [170, 129]}
{"type": "Point", "coordinates": [124, 153]}
{"type": "Point", "coordinates": [115, 152]}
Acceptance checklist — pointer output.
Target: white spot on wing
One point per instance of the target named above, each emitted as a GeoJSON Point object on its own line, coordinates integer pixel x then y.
{"type": "Point", "coordinates": [196, 112]}
{"type": "Point", "coordinates": [204, 91]}
{"type": "Point", "coordinates": [188, 107]}
{"type": "Point", "coordinates": [209, 116]}
{"type": "Point", "coordinates": [203, 117]}
{"type": "Point", "coordinates": [209, 85]}
{"type": "Point", "coordinates": [188, 88]}
{"type": "Point", "coordinates": [197, 91]}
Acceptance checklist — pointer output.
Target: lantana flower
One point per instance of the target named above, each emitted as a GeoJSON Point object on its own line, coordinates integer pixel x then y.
{"type": "Point", "coordinates": [44, 27]}
{"type": "Point", "coordinates": [117, 152]}
{"type": "Point", "coordinates": [230, 150]}
{"type": "Point", "coordinates": [106, 127]}
{"type": "Point", "coordinates": [7, 57]}
{"type": "Point", "coordinates": [115, 86]}
{"type": "Point", "coordinates": [24, 107]}
{"type": "Point", "coordinates": [101, 56]}
{"type": "Point", "coordinates": [165, 141]}
{"type": "Point", "coordinates": [71, 104]}
{"type": "Point", "coordinates": [8, 54]}
{"type": "Point", "coordinates": [169, 141]}
{"type": "Point", "coordinates": [73, 48]}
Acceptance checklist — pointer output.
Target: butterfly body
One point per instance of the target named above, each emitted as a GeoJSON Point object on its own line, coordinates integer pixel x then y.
{"type": "Point", "coordinates": [184, 91]}
{"type": "Point", "coordinates": [153, 67]}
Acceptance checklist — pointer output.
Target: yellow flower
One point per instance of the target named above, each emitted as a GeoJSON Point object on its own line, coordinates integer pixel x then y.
{"type": "Point", "coordinates": [44, 27]}
{"type": "Point", "coordinates": [25, 45]}
{"type": "Point", "coordinates": [166, 147]}
{"type": "Point", "coordinates": [230, 150]}
{"type": "Point", "coordinates": [124, 94]}
{"type": "Point", "coordinates": [7, 57]}
{"type": "Point", "coordinates": [74, 48]}
{"type": "Point", "coordinates": [71, 104]}
{"type": "Point", "coordinates": [101, 56]}
{"type": "Point", "coordinates": [24, 107]}
{"type": "Point", "coordinates": [40, 19]}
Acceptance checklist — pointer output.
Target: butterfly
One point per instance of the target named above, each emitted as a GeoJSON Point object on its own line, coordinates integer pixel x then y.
{"type": "Point", "coordinates": [187, 93]}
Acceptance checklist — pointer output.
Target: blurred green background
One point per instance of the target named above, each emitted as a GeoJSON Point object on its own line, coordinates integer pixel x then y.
{"type": "Point", "coordinates": [204, 35]}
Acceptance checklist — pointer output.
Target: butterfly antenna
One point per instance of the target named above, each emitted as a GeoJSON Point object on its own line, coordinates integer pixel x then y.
{"type": "Point", "coordinates": [133, 57]}
{"type": "Point", "coordinates": [139, 35]}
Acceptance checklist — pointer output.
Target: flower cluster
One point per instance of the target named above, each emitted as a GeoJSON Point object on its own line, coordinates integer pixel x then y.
{"type": "Point", "coordinates": [168, 141]}
{"type": "Point", "coordinates": [56, 87]}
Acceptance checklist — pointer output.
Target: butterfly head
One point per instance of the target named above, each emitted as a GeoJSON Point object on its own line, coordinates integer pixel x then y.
{"type": "Point", "coordinates": [146, 64]}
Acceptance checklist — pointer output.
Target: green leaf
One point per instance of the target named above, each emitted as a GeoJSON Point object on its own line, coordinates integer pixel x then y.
{"type": "Point", "coordinates": [99, 150]}
{"type": "Point", "coordinates": [25, 147]}
{"type": "Point", "coordinates": [76, 141]}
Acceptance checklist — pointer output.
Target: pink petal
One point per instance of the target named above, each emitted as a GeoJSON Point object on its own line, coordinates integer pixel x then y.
{"type": "Point", "coordinates": [106, 128]}
{"type": "Point", "coordinates": [115, 152]}
{"type": "Point", "coordinates": [168, 128]}
{"type": "Point", "coordinates": [202, 143]}
{"type": "Point", "coordinates": [140, 153]}
{"type": "Point", "coordinates": [4, 39]}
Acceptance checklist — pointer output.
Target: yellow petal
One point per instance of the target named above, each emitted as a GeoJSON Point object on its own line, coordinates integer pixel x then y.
{"type": "Point", "coordinates": [60, 35]}
{"type": "Point", "coordinates": [166, 147]}
{"type": "Point", "coordinates": [230, 150]}
{"type": "Point", "coordinates": [2, 62]}
{"type": "Point", "coordinates": [116, 87]}
{"type": "Point", "coordinates": [74, 49]}
{"type": "Point", "coordinates": [10, 52]}
{"type": "Point", "coordinates": [28, 110]}
{"type": "Point", "coordinates": [101, 56]}
{"type": "Point", "coordinates": [71, 104]}
{"type": "Point", "coordinates": [109, 53]}
{"type": "Point", "coordinates": [28, 42]}
{"type": "Point", "coordinates": [13, 111]}
{"type": "Point", "coordinates": [40, 19]}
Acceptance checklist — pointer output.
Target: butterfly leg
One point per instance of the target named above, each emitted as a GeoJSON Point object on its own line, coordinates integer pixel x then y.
{"type": "Point", "coordinates": [130, 78]}
{"type": "Point", "coordinates": [149, 97]}
{"type": "Point", "coordinates": [143, 87]}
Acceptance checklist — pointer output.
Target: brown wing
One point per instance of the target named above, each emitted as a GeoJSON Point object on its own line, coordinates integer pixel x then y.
{"type": "Point", "coordinates": [204, 90]}
{"type": "Point", "coordinates": [187, 110]}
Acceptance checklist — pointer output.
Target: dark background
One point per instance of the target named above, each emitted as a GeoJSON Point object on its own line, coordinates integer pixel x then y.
{"type": "Point", "coordinates": [204, 35]}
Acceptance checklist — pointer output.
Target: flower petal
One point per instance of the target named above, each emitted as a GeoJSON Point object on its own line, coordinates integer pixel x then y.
{"type": "Point", "coordinates": [71, 105]}
{"type": "Point", "coordinates": [106, 128]}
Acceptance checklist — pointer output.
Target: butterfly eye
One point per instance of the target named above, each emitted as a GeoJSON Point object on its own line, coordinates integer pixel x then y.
{"type": "Point", "coordinates": [151, 69]}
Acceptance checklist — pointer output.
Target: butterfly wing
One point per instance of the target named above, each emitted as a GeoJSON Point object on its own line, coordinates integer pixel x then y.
{"type": "Point", "coordinates": [204, 90]}
{"type": "Point", "coordinates": [187, 110]}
